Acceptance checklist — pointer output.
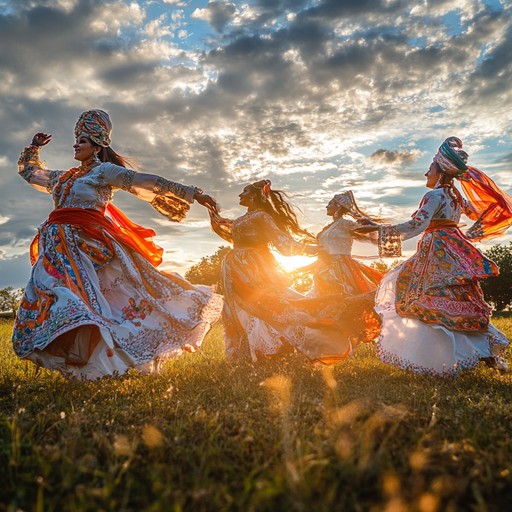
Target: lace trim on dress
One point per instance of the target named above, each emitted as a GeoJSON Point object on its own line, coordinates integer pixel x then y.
{"type": "Point", "coordinates": [173, 208]}
{"type": "Point", "coordinates": [390, 242]}
{"type": "Point", "coordinates": [162, 186]}
{"type": "Point", "coordinates": [128, 180]}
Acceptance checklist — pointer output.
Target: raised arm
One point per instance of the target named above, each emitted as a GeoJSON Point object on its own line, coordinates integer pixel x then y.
{"type": "Point", "coordinates": [32, 169]}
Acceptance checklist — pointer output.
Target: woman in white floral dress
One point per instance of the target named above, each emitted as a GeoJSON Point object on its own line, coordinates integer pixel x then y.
{"type": "Point", "coordinates": [262, 315]}
{"type": "Point", "coordinates": [95, 304]}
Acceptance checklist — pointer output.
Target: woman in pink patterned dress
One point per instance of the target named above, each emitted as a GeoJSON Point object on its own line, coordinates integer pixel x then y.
{"type": "Point", "coordinates": [434, 316]}
{"type": "Point", "coordinates": [262, 315]}
{"type": "Point", "coordinates": [95, 304]}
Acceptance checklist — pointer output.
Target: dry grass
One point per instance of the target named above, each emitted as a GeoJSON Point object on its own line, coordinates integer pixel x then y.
{"type": "Point", "coordinates": [208, 435]}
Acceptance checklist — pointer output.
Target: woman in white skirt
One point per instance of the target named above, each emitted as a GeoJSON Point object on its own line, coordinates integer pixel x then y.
{"type": "Point", "coordinates": [434, 316]}
{"type": "Point", "coordinates": [95, 304]}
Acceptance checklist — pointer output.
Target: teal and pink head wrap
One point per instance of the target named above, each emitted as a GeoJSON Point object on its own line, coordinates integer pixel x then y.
{"type": "Point", "coordinates": [451, 158]}
{"type": "Point", "coordinates": [96, 125]}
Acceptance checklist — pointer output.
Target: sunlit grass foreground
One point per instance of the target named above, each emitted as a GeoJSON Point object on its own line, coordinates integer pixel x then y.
{"type": "Point", "coordinates": [208, 435]}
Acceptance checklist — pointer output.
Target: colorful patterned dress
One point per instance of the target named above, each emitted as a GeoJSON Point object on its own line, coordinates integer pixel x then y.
{"type": "Point", "coordinates": [261, 316]}
{"type": "Point", "coordinates": [95, 305]}
{"type": "Point", "coordinates": [434, 316]}
{"type": "Point", "coordinates": [347, 285]}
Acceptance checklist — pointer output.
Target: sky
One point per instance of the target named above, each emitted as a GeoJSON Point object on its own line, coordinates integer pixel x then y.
{"type": "Point", "coordinates": [319, 96]}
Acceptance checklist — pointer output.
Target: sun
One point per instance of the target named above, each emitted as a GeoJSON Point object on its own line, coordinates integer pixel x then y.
{"type": "Point", "coordinates": [291, 263]}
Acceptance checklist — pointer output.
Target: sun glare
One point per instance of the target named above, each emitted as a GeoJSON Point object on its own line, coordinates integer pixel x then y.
{"type": "Point", "coordinates": [291, 263]}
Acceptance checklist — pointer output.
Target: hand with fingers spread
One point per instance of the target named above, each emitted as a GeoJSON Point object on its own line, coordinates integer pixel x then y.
{"type": "Point", "coordinates": [41, 139]}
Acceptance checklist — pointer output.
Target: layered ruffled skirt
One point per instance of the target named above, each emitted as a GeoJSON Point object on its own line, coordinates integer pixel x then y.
{"type": "Point", "coordinates": [434, 317]}
{"type": "Point", "coordinates": [93, 308]}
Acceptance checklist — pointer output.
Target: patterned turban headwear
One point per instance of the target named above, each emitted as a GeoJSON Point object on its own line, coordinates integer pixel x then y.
{"type": "Point", "coordinates": [451, 158]}
{"type": "Point", "coordinates": [96, 125]}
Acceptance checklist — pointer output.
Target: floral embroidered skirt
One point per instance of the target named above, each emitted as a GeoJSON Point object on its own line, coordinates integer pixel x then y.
{"type": "Point", "coordinates": [434, 341]}
{"type": "Point", "coordinates": [89, 311]}
{"type": "Point", "coordinates": [263, 317]}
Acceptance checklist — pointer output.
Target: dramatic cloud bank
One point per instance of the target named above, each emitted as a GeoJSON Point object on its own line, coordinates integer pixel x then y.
{"type": "Point", "coordinates": [319, 96]}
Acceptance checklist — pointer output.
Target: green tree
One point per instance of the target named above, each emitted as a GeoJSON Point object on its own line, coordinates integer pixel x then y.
{"type": "Point", "coordinates": [207, 271]}
{"type": "Point", "coordinates": [383, 267]}
{"type": "Point", "coordinates": [498, 290]}
{"type": "Point", "coordinates": [10, 299]}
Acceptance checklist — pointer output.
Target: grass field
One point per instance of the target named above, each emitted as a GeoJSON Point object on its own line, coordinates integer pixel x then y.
{"type": "Point", "coordinates": [207, 435]}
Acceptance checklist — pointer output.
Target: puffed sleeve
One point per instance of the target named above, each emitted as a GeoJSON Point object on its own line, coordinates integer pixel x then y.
{"type": "Point", "coordinates": [283, 242]}
{"type": "Point", "coordinates": [167, 197]}
{"type": "Point", "coordinates": [34, 172]}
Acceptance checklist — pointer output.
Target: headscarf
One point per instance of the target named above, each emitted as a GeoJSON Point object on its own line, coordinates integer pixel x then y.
{"type": "Point", "coordinates": [347, 201]}
{"type": "Point", "coordinates": [451, 158]}
{"type": "Point", "coordinates": [492, 205]}
{"type": "Point", "coordinates": [96, 125]}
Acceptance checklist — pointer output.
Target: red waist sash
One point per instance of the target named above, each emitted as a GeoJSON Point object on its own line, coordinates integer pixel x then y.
{"type": "Point", "coordinates": [95, 224]}
{"type": "Point", "coordinates": [439, 224]}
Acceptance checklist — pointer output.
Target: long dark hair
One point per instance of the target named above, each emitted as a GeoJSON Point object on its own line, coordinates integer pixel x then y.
{"type": "Point", "coordinates": [107, 154]}
{"type": "Point", "coordinates": [276, 204]}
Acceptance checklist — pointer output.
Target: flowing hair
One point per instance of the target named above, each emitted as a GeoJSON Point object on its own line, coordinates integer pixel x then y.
{"type": "Point", "coordinates": [277, 205]}
{"type": "Point", "coordinates": [107, 154]}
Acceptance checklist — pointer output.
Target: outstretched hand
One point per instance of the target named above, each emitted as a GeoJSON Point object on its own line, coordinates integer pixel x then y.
{"type": "Point", "coordinates": [41, 139]}
{"type": "Point", "coordinates": [206, 201]}
{"type": "Point", "coordinates": [367, 229]}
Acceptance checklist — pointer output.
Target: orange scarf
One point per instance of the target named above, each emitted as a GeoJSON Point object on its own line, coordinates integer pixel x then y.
{"type": "Point", "coordinates": [95, 224]}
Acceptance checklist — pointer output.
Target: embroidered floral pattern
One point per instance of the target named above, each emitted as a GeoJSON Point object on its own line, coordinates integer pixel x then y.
{"type": "Point", "coordinates": [439, 284]}
{"type": "Point", "coordinates": [134, 311]}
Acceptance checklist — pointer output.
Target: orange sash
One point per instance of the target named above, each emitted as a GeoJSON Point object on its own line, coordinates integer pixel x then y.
{"type": "Point", "coordinates": [95, 224]}
{"type": "Point", "coordinates": [439, 224]}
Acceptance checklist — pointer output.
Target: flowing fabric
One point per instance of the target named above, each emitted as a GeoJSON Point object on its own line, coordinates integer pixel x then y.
{"type": "Point", "coordinates": [262, 316]}
{"type": "Point", "coordinates": [96, 225]}
{"type": "Point", "coordinates": [434, 316]}
{"type": "Point", "coordinates": [346, 286]}
{"type": "Point", "coordinates": [493, 206]}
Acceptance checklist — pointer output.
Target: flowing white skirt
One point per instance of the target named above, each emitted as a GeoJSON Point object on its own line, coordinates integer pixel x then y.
{"type": "Point", "coordinates": [409, 343]}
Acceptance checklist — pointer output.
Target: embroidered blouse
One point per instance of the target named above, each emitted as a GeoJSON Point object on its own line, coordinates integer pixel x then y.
{"type": "Point", "coordinates": [96, 188]}
{"type": "Point", "coordinates": [337, 237]}
{"type": "Point", "coordinates": [436, 204]}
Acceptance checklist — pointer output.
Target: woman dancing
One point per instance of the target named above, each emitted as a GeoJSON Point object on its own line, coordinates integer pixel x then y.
{"type": "Point", "coordinates": [260, 316]}
{"type": "Point", "coordinates": [95, 304]}
{"type": "Point", "coordinates": [348, 285]}
{"type": "Point", "coordinates": [434, 317]}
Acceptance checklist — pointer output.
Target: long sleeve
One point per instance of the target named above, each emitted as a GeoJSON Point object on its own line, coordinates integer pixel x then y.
{"type": "Point", "coordinates": [390, 237]}
{"type": "Point", "coordinates": [167, 197]}
{"type": "Point", "coordinates": [420, 218]}
{"type": "Point", "coordinates": [34, 172]}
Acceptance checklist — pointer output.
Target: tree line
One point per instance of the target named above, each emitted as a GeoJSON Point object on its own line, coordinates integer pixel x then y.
{"type": "Point", "coordinates": [497, 290]}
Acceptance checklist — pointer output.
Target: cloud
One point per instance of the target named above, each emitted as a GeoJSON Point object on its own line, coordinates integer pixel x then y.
{"type": "Point", "coordinates": [217, 13]}
{"type": "Point", "coordinates": [318, 96]}
{"type": "Point", "coordinates": [386, 156]}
